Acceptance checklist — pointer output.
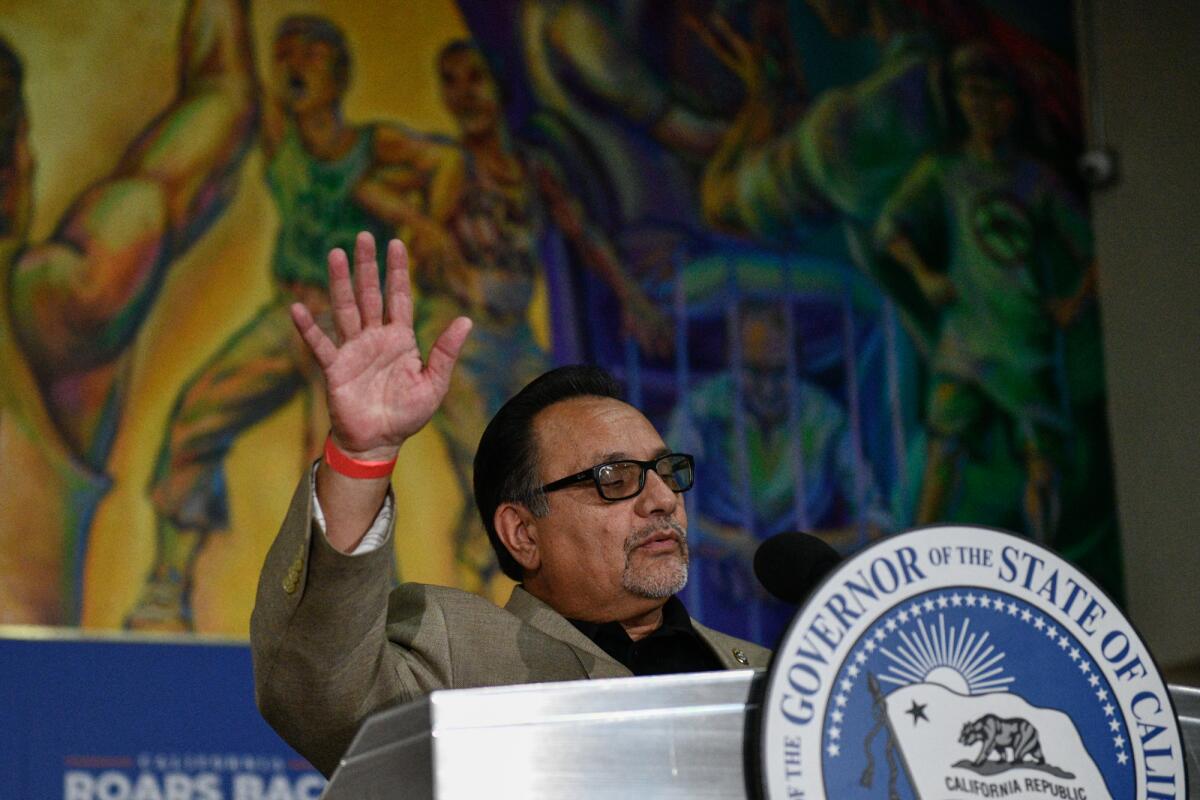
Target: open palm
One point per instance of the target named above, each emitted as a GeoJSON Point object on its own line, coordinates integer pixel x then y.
{"type": "Point", "coordinates": [379, 389]}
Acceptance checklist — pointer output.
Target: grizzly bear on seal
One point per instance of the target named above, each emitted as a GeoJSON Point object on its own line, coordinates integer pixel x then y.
{"type": "Point", "coordinates": [1017, 736]}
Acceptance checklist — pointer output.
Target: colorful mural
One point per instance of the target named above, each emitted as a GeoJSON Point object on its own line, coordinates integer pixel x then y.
{"type": "Point", "coordinates": [835, 248]}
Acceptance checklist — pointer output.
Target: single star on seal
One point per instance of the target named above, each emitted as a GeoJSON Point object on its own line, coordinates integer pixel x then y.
{"type": "Point", "coordinates": [917, 711]}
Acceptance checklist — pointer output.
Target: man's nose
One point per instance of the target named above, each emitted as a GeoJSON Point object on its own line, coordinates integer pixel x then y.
{"type": "Point", "coordinates": [656, 496]}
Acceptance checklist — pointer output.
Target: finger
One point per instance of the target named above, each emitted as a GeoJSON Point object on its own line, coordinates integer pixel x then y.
{"type": "Point", "coordinates": [399, 291]}
{"type": "Point", "coordinates": [737, 43]}
{"type": "Point", "coordinates": [346, 321]}
{"type": "Point", "coordinates": [445, 353]}
{"type": "Point", "coordinates": [366, 280]}
{"type": "Point", "coordinates": [722, 28]}
{"type": "Point", "coordinates": [710, 41]}
{"type": "Point", "coordinates": [323, 350]}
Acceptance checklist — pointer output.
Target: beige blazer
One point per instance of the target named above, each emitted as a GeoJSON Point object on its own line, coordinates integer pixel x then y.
{"type": "Point", "coordinates": [332, 641]}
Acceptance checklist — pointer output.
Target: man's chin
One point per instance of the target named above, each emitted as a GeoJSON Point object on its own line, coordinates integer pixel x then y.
{"type": "Point", "coordinates": [656, 581]}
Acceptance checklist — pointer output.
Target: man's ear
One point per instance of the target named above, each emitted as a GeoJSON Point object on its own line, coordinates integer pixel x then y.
{"type": "Point", "coordinates": [517, 528]}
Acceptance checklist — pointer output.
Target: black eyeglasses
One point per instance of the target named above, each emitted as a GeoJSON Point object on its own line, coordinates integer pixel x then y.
{"type": "Point", "coordinates": [620, 480]}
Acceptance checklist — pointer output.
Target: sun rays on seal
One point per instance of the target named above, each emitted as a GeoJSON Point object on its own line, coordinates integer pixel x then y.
{"type": "Point", "coordinates": [958, 659]}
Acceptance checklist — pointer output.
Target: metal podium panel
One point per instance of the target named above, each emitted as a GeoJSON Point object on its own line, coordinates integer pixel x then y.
{"type": "Point", "coordinates": [391, 757]}
{"type": "Point", "coordinates": [673, 736]}
{"type": "Point", "coordinates": [1187, 709]}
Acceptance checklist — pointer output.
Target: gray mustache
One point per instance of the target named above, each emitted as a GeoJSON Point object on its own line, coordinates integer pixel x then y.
{"type": "Point", "coordinates": [643, 535]}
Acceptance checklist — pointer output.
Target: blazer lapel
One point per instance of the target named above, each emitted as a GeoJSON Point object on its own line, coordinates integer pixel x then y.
{"type": "Point", "coordinates": [535, 613]}
{"type": "Point", "coordinates": [733, 653]}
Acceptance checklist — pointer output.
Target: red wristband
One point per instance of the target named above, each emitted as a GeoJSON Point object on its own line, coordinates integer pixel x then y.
{"type": "Point", "coordinates": [343, 464]}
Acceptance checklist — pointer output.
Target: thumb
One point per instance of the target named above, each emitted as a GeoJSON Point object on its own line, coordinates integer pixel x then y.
{"type": "Point", "coordinates": [444, 354]}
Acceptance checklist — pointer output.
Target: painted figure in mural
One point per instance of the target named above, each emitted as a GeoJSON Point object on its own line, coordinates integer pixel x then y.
{"type": "Point", "coordinates": [991, 236]}
{"type": "Point", "coordinates": [841, 160]}
{"type": "Point", "coordinates": [773, 458]}
{"type": "Point", "coordinates": [578, 49]}
{"type": "Point", "coordinates": [619, 93]}
{"type": "Point", "coordinates": [845, 154]}
{"type": "Point", "coordinates": [316, 162]}
{"type": "Point", "coordinates": [74, 304]}
{"type": "Point", "coordinates": [851, 145]}
{"type": "Point", "coordinates": [496, 207]}
{"type": "Point", "coordinates": [595, 98]}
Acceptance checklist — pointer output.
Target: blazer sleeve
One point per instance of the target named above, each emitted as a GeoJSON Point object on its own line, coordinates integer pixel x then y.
{"type": "Point", "coordinates": [318, 633]}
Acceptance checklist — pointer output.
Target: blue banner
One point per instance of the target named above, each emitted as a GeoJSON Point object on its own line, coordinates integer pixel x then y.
{"type": "Point", "coordinates": [109, 719]}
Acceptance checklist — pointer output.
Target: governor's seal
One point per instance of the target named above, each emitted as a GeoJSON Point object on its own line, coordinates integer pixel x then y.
{"type": "Point", "coordinates": [960, 663]}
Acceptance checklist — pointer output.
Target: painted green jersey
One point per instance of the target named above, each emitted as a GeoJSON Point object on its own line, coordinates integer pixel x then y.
{"type": "Point", "coordinates": [317, 211]}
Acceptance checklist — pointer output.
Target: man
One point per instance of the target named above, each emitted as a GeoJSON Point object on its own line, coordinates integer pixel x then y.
{"type": "Point", "coordinates": [777, 455]}
{"type": "Point", "coordinates": [71, 307]}
{"type": "Point", "coordinates": [598, 575]}
{"type": "Point", "coordinates": [992, 237]}
{"type": "Point", "coordinates": [316, 162]}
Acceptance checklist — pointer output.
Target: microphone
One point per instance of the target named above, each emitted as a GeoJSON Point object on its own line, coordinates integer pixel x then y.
{"type": "Point", "coordinates": [790, 565]}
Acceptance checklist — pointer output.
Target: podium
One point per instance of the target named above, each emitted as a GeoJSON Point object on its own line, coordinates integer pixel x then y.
{"type": "Point", "coordinates": [674, 736]}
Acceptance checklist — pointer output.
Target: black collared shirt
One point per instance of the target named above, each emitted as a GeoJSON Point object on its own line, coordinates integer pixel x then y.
{"type": "Point", "coordinates": [674, 647]}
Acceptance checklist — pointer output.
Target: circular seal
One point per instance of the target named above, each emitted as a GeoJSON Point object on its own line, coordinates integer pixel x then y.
{"type": "Point", "coordinates": [960, 663]}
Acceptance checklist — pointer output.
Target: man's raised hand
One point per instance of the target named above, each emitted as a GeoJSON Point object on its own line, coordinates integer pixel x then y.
{"type": "Point", "coordinates": [379, 390]}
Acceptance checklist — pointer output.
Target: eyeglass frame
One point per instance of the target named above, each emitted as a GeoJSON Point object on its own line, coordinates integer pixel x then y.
{"type": "Point", "coordinates": [594, 474]}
